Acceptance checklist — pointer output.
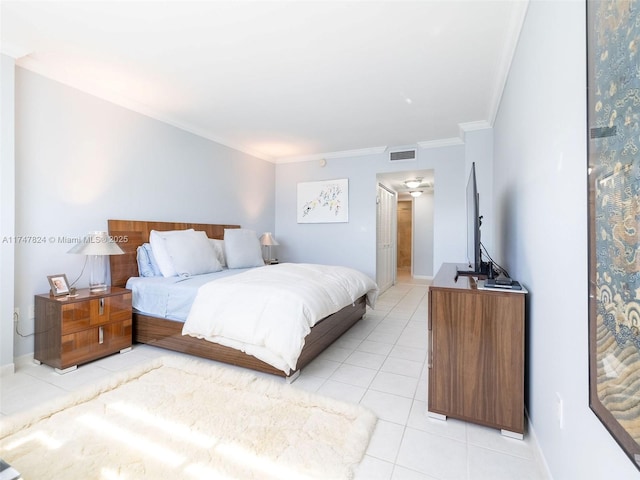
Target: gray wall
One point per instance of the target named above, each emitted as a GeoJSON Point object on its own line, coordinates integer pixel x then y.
{"type": "Point", "coordinates": [541, 210]}
{"type": "Point", "coordinates": [353, 244]}
{"type": "Point", "coordinates": [81, 160]}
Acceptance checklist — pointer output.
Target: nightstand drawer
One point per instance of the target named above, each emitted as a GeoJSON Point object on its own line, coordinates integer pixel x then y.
{"type": "Point", "coordinates": [95, 342]}
{"type": "Point", "coordinates": [75, 316]}
{"type": "Point", "coordinates": [116, 309]}
{"type": "Point", "coordinates": [97, 311]}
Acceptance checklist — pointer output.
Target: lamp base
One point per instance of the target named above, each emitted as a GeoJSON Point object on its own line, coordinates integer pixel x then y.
{"type": "Point", "coordinates": [98, 277]}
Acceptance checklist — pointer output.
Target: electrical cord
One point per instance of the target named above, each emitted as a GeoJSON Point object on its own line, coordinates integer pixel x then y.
{"type": "Point", "coordinates": [86, 257]}
{"type": "Point", "coordinates": [501, 268]}
{"type": "Point", "coordinates": [16, 318]}
{"type": "Point", "coordinates": [15, 322]}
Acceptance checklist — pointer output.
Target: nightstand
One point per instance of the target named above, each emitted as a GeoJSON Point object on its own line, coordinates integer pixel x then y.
{"type": "Point", "coordinates": [70, 331]}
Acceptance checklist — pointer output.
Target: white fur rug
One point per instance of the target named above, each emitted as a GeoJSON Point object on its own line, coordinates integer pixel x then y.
{"type": "Point", "coordinates": [177, 418]}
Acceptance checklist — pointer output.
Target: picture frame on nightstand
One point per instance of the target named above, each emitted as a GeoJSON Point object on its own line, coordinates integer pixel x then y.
{"type": "Point", "coordinates": [59, 284]}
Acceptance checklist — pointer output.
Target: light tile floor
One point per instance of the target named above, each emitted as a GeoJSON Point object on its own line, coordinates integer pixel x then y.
{"type": "Point", "coordinates": [379, 363]}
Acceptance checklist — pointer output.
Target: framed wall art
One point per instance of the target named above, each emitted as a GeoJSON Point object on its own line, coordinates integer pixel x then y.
{"type": "Point", "coordinates": [613, 59]}
{"type": "Point", "coordinates": [323, 202]}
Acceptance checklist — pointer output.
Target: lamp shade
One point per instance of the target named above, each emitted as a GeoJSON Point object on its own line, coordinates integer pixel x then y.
{"type": "Point", "coordinates": [267, 239]}
{"type": "Point", "coordinates": [97, 243]}
{"type": "Point", "coordinates": [97, 246]}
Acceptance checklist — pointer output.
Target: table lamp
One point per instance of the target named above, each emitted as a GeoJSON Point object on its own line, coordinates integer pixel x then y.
{"type": "Point", "coordinates": [267, 240]}
{"type": "Point", "coordinates": [97, 246]}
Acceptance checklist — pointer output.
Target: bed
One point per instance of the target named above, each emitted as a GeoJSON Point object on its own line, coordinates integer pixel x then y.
{"type": "Point", "coordinates": [167, 333]}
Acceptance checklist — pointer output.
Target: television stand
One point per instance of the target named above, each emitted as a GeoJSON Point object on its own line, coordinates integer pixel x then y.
{"type": "Point", "coordinates": [476, 352]}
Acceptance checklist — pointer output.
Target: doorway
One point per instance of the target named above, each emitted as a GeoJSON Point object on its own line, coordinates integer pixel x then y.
{"type": "Point", "coordinates": [405, 239]}
{"type": "Point", "coordinates": [411, 222]}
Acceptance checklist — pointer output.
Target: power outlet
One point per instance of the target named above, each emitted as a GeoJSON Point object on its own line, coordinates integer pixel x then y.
{"type": "Point", "coordinates": [560, 410]}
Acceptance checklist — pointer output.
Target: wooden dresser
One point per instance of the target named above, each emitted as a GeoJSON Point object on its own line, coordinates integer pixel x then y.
{"type": "Point", "coordinates": [476, 353]}
{"type": "Point", "coordinates": [73, 330]}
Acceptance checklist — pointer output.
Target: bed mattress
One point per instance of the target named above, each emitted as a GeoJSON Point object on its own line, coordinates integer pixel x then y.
{"type": "Point", "coordinates": [171, 297]}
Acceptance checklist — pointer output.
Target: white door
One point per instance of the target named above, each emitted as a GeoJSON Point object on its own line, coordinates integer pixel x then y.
{"type": "Point", "coordinates": [386, 238]}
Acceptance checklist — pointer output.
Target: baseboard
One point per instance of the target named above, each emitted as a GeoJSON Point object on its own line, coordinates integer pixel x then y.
{"type": "Point", "coordinates": [8, 369]}
{"type": "Point", "coordinates": [423, 277]}
{"type": "Point", "coordinates": [26, 359]}
{"type": "Point", "coordinates": [537, 451]}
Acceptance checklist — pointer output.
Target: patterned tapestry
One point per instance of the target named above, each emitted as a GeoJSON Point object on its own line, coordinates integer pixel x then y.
{"type": "Point", "coordinates": [614, 164]}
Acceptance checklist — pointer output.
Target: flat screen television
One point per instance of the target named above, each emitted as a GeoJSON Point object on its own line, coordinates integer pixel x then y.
{"type": "Point", "coordinates": [474, 222]}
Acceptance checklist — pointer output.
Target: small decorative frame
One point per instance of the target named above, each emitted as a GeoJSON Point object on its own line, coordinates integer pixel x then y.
{"type": "Point", "coordinates": [613, 29]}
{"type": "Point", "coordinates": [59, 284]}
{"type": "Point", "coordinates": [323, 202]}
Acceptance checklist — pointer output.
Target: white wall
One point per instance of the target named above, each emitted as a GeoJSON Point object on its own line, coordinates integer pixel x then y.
{"type": "Point", "coordinates": [7, 213]}
{"type": "Point", "coordinates": [353, 244]}
{"type": "Point", "coordinates": [541, 206]}
{"type": "Point", "coordinates": [479, 149]}
{"type": "Point", "coordinates": [423, 235]}
{"type": "Point", "coordinates": [81, 161]}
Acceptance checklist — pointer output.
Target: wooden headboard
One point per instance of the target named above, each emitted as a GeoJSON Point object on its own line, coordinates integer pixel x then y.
{"type": "Point", "coordinates": [130, 234]}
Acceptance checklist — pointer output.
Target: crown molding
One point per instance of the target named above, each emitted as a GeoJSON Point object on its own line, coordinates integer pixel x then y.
{"type": "Point", "coordinates": [443, 142]}
{"type": "Point", "coordinates": [473, 126]}
{"type": "Point", "coordinates": [459, 140]}
{"type": "Point", "coordinates": [508, 52]}
{"type": "Point", "coordinates": [340, 154]}
{"type": "Point", "coordinates": [14, 51]}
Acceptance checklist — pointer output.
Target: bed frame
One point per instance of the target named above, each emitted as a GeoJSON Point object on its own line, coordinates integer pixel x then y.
{"type": "Point", "coordinates": [160, 332]}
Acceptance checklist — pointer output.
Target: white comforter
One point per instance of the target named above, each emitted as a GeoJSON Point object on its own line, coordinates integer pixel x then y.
{"type": "Point", "coordinates": [268, 311]}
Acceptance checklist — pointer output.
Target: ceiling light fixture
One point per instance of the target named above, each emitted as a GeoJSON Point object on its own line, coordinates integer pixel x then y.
{"type": "Point", "coordinates": [413, 183]}
{"type": "Point", "coordinates": [415, 193]}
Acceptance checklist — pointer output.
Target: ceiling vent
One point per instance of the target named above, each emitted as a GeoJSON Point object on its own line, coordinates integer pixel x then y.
{"type": "Point", "coordinates": [402, 155]}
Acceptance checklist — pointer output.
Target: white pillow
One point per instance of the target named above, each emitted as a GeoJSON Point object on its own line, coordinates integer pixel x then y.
{"type": "Point", "coordinates": [156, 239]}
{"type": "Point", "coordinates": [218, 247]}
{"type": "Point", "coordinates": [242, 248]}
{"type": "Point", "coordinates": [192, 254]}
